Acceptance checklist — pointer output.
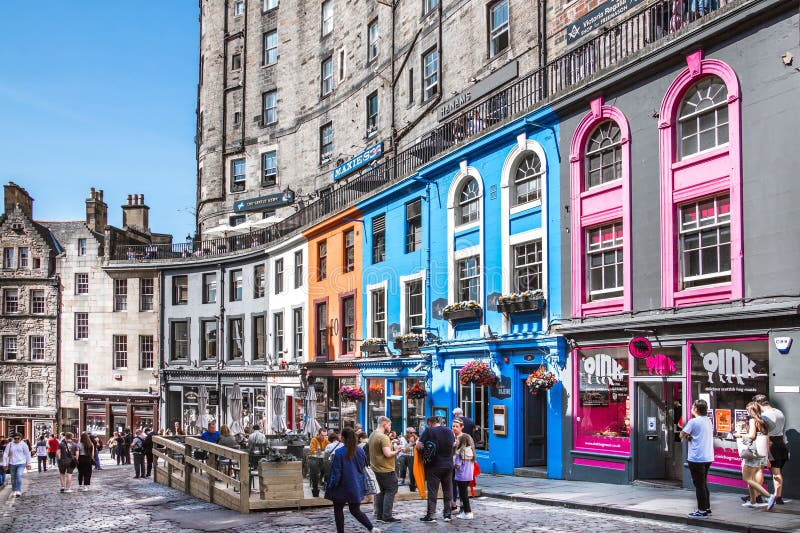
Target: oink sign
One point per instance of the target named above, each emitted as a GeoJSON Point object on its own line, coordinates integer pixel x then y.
{"type": "Point", "coordinates": [602, 368]}
{"type": "Point", "coordinates": [729, 365]}
{"type": "Point", "coordinates": [597, 17]}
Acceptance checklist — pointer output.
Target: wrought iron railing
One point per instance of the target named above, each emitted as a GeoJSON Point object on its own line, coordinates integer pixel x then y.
{"type": "Point", "coordinates": [567, 72]}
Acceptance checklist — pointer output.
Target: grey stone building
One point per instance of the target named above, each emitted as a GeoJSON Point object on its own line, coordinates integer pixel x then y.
{"type": "Point", "coordinates": [289, 91]}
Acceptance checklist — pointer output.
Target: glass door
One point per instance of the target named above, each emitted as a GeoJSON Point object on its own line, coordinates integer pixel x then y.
{"type": "Point", "coordinates": [394, 398]}
{"type": "Point", "coordinates": [659, 413]}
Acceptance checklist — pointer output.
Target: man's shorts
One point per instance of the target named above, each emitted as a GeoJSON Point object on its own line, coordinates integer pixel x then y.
{"type": "Point", "coordinates": [778, 451]}
{"type": "Point", "coordinates": [66, 468]}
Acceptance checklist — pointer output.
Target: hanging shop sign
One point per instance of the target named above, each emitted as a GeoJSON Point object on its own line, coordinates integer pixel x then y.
{"type": "Point", "coordinates": [640, 347]}
{"type": "Point", "coordinates": [472, 93]}
{"type": "Point", "coordinates": [265, 202]}
{"type": "Point", "coordinates": [360, 160]}
{"type": "Point", "coordinates": [502, 389]}
{"type": "Point", "coordinates": [597, 17]}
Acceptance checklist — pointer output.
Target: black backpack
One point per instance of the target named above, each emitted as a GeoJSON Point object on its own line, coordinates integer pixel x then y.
{"type": "Point", "coordinates": [430, 450]}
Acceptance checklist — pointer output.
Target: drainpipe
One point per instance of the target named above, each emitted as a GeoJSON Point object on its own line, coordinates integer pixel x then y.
{"type": "Point", "coordinates": [220, 336]}
{"type": "Point", "coordinates": [543, 44]}
{"type": "Point", "coordinates": [394, 84]}
{"type": "Point", "coordinates": [161, 364]}
{"type": "Point", "coordinates": [57, 285]}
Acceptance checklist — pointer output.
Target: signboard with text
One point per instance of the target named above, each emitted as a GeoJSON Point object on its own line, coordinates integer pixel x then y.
{"type": "Point", "coordinates": [597, 17]}
{"type": "Point", "coordinates": [360, 160]}
{"type": "Point", "coordinates": [264, 202]}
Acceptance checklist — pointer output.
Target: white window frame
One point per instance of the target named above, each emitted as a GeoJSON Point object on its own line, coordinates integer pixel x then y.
{"type": "Point", "coordinates": [9, 393]}
{"type": "Point", "coordinates": [270, 107]}
{"type": "Point", "coordinates": [327, 17]}
{"type": "Point", "coordinates": [269, 174]}
{"type": "Point", "coordinates": [430, 77]}
{"type": "Point", "coordinates": [326, 76]}
{"type": "Point", "coordinates": [496, 31]}
{"type": "Point", "coordinates": [695, 117]}
{"type": "Point", "coordinates": [41, 394]}
{"type": "Point", "coordinates": [270, 48]}
{"type": "Point", "coordinates": [616, 245]}
{"type": "Point", "coordinates": [298, 334]}
{"type": "Point", "coordinates": [36, 347]}
{"type": "Point", "coordinates": [404, 282]}
{"type": "Point", "coordinates": [269, 4]}
{"type": "Point", "coordinates": [374, 287]}
{"type": "Point", "coordinates": [238, 179]}
{"type": "Point", "coordinates": [373, 35]}
{"type": "Point", "coordinates": [278, 334]}
{"type": "Point", "coordinates": [721, 277]}
{"type": "Point", "coordinates": [238, 8]}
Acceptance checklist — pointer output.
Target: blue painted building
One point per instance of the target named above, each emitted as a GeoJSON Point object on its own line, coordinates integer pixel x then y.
{"type": "Point", "coordinates": [444, 251]}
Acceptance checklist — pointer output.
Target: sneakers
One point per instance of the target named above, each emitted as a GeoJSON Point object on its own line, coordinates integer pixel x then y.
{"type": "Point", "coordinates": [779, 500]}
{"type": "Point", "coordinates": [465, 516]}
{"type": "Point", "coordinates": [749, 504]}
{"type": "Point", "coordinates": [390, 520]}
{"type": "Point", "coordinates": [698, 514]}
{"type": "Point", "coordinates": [62, 489]}
{"type": "Point", "coordinates": [428, 519]}
{"type": "Point", "coordinates": [447, 519]}
{"type": "Point", "coordinates": [771, 502]}
{"type": "Point", "coordinates": [759, 499]}
{"type": "Point", "coordinates": [375, 530]}
{"type": "Point", "coordinates": [68, 490]}
{"type": "Point", "coordinates": [17, 493]}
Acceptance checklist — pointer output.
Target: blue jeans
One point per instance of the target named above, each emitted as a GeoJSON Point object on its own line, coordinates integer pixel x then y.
{"type": "Point", "coordinates": [2, 476]}
{"type": "Point", "coordinates": [16, 476]}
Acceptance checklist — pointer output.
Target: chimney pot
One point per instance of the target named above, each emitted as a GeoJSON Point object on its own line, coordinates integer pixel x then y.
{"type": "Point", "coordinates": [130, 200]}
{"type": "Point", "coordinates": [141, 199]}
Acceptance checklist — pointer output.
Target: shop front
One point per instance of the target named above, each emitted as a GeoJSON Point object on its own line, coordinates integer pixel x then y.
{"type": "Point", "coordinates": [327, 379]}
{"type": "Point", "coordinates": [105, 412]}
{"type": "Point", "coordinates": [31, 424]}
{"type": "Point", "coordinates": [395, 388]}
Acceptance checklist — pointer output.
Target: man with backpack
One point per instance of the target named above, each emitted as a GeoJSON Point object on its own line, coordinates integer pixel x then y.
{"type": "Point", "coordinates": [67, 459]}
{"type": "Point", "coordinates": [436, 446]}
{"type": "Point", "coordinates": [137, 447]}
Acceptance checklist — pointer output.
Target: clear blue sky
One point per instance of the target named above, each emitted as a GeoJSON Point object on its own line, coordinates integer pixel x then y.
{"type": "Point", "coordinates": [98, 93]}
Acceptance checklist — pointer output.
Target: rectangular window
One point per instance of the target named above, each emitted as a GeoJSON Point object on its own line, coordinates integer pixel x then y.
{"type": "Point", "coordinates": [259, 281]}
{"type": "Point", "coordinates": [378, 303]}
{"type": "Point", "coordinates": [270, 4]}
{"type": "Point", "coordinates": [9, 394]}
{"type": "Point", "coordinates": [36, 396]}
{"type": "Point", "coordinates": [270, 108]}
{"type": "Point", "coordinates": [146, 359]}
{"type": "Point", "coordinates": [146, 294]}
{"type": "Point", "coordinates": [36, 346]}
{"type": "Point", "coordinates": [236, 61]}
{"type": "Point", "coordinates": [326, 76]}
{"type": "Point", "coordinates": [120, 352]}
{"type": "Point", "coordinates": [208, 344]}
{"type": "Point", "coordinates": [120, 295]}
{"type": "Point", "coordinates": [238, 175]}
{"type": "Point", "coordinates": [474, 401]}
{"type": "Point", "coordinates": [413, 305]}
{"type": "Point", "coordinates": [37, 263]}
{"type": "Point", "coordinates": [277, 333]}
{"type": "Point", "coordinates": [209, 288]}
{"type": "Point", "coordinates": [469, 279]}
{"type": "Point", "coordinates": [322, 331]}
{"type": "Point", "coordinates": [179, 333]}
{"type": "Point", "coordinates": [705, 242]}
{"type": "Point", "coordinates": [498, 27]}
{"type": "Point", "coordinates": [349, 251]}
{"type": "Point", "coordinates": [82, 283]}
{"type": "Point", "coordinates": [81, 376]}
{"type": "Point", "coordinates": [413, 226]}
{"type": "Point", "coordinates": [38, 302]}
{"type": "Point", "coordinates": [9, 348]}
{"type": "Point", "coordinates": [429, 5]}
{"type": "Point", "coordinates": [527, 267]}
{"type": "Point", "coordinates": [236, 286]}
{"type": "Point", "coordinates": [326, 143]}
{"type": "Point", "coordinates": [298, 269]}
{"type": "Point", "coordinates": [81, 326]}
{"type": "Point", "coordinates": [8, 258]}
{"type": "Point", "coordinates": [372, 40]}
{"type": "Point", "coordinates": [235, 339]}
{"type": "Point", "coordinates": [430, 74]}
{"type": "Point", "coordinates": [235, 220]}
{"type": "Point", "coordinates": [24, 254]}
{"type": "Point", "coordinates": [10, 301]}
{"type": "Point", "coordinates": [270, 48]}
{"type": "Point", "coordinates": [180, 290]}
{"type": "Point", "coordinates": [238, 8]}
{"type": "Point", "coordinates": [604, 261]}
{"type": "Point", "coordinates": [372, 114]}
{"type": "Point", "coordinates": [81, 246]}
{"type": "Point", "coordinates": [259, 337]}
{"type": "Point", "coordinates": [269, 168]}
{"type": "Point", "coordinates": [349, 325]}
{"type": "Point", "coordinates": [378, 239]}
{"type": "Point", "coordinates": [278, 276]}
{"type": "Point", "coordinates": [341, 65]}
{"type": "Point", "coordinates": [322, 255]}
{"type": "Point", "coordinates": [297, 317]}
{"type": "Point", "coordinates": [327, 17]}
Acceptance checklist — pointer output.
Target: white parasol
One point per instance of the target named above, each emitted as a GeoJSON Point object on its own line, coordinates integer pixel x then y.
{"type": "Point", "coordinates": [236, 410]}
{"type": "Point", "coordinates": [202, 401]}
{"type": "Point", "coordinates": [312, 426]}
{"type": "Point", "coordinates": [278, 402]}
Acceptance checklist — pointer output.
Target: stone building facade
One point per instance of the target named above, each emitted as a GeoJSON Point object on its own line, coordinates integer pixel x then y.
{"type": "Point", "coordinates": [289, 91]}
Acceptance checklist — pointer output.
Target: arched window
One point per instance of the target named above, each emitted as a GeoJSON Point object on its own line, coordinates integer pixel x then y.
{"type": "Point", "coordinates": [468, 200]}
{"type": "Point", "coordinates": [604, 154]}
{"type": "Point", "coordinates": [528, 180]}
{"type": "Point", "coordinates": [703, 117]}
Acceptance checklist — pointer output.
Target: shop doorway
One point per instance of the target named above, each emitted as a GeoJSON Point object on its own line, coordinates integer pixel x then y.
{"type": "Point", "coordinates": [659, 413]}
{"type": "Point", "coordinates": [17, 426]}
{"type": "Point", "coordinates": [534, 430]}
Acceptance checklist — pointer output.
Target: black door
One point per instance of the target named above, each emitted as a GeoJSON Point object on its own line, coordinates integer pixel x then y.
{"type": "Point", "coordinates": [534, 428]}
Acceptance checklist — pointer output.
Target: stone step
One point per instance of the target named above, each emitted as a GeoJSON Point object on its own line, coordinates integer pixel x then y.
{"type": "Point", "coordinates": [531, 471]}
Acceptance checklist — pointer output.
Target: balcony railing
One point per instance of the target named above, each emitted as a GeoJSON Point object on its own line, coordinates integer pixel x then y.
{"type": "Point", "coordinates": [612, 45]}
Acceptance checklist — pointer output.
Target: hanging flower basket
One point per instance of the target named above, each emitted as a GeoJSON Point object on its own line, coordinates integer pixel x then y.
{"type": "Point", "coordinates": [541, 380]}
{"type": "Point", "coordinates": [409, 343]}
{"type": "Point", "coordinates": [417, 392]}
{"type": "Point", "coordinates": [462, 311]}
{"type": "Point", "coordinates": [351, 394]}
{"type": "Point", "coordinates": [372, 346]}
{"type": "Point", "coordinates": [523, 302]}
{"type": "Point", "coordinates": [477, 372]}
{"type": "Point", "coordinates": [375, 393]}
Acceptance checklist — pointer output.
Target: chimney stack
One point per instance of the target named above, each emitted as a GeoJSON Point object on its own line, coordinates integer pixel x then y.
{"type": "Point", "coordinates": [17, 196]}
{"type": "Point", "coordinates": [135, 214]}
{"type": "Point", "coordinates": [96, 211]}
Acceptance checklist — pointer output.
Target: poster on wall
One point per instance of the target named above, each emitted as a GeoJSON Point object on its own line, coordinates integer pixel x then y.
{"type": "Point", "coordinates": [723, 420]}
{"type": "Point", "coordinates": [740, 418]}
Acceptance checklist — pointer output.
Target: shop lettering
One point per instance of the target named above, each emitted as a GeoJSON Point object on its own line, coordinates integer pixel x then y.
{"type": "Point", "coordinates": [660, 365]}
{"type": "Point", "coordinates": [603, 368]}
{"type": "Point", "coordinates": [728, 364]}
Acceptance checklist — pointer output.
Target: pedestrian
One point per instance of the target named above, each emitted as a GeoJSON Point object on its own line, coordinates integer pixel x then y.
{"type": "Point", "coordinates": [436, 446]}
{"type": "Point", "coordinates": [753, 467]}
{"type": "Point", "coordinates": [120, 448]}
{"type": "Point", "coordinates": [85, 460]}
{"type": "Point", "coordinates": [778, 451]}
{"type": "Point", "coordinates": [148, 451]}
{"type": "Point", "coordinates": [3, 443]}
{"type": "Point", "coordinates": [16, 459]}
{"type": "Point", "coordinates": [469, 424]}
{"type": "Point", "coordinates": [316, 452]}
{"type": "Point", "coordinates": [405, 459]}
{"type": "Point", "coordinates": [98, 446]}
{"type": "Point", "coordinates": [699, 431]}
{"type": "Point", "coordinates": [464, 466]}
{"type": "Point", "coordinates": [346, 482]}
{"type": "Point", "coordinates": [66, 456]}
{"type": "Point", "coordinates": [137, 447]}
{"type": "Point", "coordinates": [41, 454]}
{"type": "Point", "coordinates": [52, 447]}
{"type": "Point", "coordinates": [127, 440]}
{"type": "Point", "coordinates": [112, 446]}
{"type": "Point", "coordinates": [382, 461]}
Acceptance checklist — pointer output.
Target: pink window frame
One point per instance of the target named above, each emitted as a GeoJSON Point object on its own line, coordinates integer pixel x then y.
{"type": "Point", "coordinates": [605, 203]}
{"type": "Point", "coordinates": [709, 173]}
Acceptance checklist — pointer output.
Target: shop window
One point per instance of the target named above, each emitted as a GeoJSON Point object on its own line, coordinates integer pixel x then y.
{"type": "Point", "coordinates": [474, 401]}
{"type": "Point", "coordinates": [602, 411]}
{"type": "Point", "coordinates": [727, 374]}
{"type": "Point", "coordinates": [96, 419]}
{"type": "Point", "coordinates": [663, 362]}
{"type": "Point", "coordinates": [376, 401]}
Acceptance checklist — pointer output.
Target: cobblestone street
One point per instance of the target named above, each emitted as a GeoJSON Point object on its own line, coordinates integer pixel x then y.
{"type": "Point", "coordinates": [118, 502]}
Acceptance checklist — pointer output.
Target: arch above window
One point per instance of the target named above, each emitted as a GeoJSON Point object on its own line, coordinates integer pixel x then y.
{"type": "Point", "coordinates": [468, 209]}
{"type": "Point", "coordinates": [528, 180]}
{"type": "Point", "coordinates": [703, 117]}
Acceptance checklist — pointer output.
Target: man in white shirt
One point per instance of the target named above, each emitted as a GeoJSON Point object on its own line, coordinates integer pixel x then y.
{"type": "Point", "coordinates": [700, 434]}
{"type": "Point", "coordinates": [16, 458]}
{"type": "Point", "coordinates": [778, 451]}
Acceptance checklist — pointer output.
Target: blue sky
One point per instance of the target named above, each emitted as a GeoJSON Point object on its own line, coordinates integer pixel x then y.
{"type": "Point", "coordinates": [101, 94]}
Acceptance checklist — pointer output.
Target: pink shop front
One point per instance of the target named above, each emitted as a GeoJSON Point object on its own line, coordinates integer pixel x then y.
{"type": "Point", "coordinates": [627, 411]}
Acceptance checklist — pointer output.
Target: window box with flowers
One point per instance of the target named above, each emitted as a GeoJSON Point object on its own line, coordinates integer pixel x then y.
{"type": "Point", "coordinates": [523, 302]}
{"type": "Point", "coordinates": [351, 394]}
{"type": "Point", "coordinates": [462, 311]}
{"type": "Point", "coordinates": [541, 380]}
{"type": "Point", "coordinates": [373, 346]}
{"type": "Point", "coordinates": [409, 343]}
{"type": "Point", "coordinates": [477, 372]}
{"type": "Point", "coordinates": [417, 392]}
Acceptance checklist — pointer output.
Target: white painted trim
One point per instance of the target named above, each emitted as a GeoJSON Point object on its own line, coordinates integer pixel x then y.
{"type": "Point", "coordinates": [377, 286]}
{"type": "Point", "coordinates": [524, 207]}
{"type": "Point", "coordinates": [404, 280]}
{"type": "Point", "coordinates": [467, 252]}
{"type": "Point", "coordinates": [525, 236]}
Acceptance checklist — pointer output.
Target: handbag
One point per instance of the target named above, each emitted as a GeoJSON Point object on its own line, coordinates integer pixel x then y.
{"type": "Point", "coordinates": [747, 448]}
{"type": "Point", "coordinates": [762, 445]}
{"type": "Point", "coordinates": [370, 481]}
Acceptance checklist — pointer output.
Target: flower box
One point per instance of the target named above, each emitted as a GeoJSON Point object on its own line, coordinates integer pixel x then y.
{"type": "Point", "coordinates": [525, 302]}
{"type": "Point", "coordinates": [351, 394]}
{"type": "Point", "coordinates": [408, 344]}
{"type": "Point", "coordinates": [462, 311]}
{"type": "Point", "coordinates": [370, 348]}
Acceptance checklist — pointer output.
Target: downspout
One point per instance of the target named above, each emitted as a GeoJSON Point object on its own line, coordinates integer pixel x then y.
{"type": "Point", "coordinates": [244, 75]}
{"type": "Point", "coordinates": [221, 337]}
{"type": "Point", "coordinates": [543, 45]}
{"type": "Point", "coordinates": [161, 364]}
{"type": "Point", "coordinates": [394, 81]}
{"type": "Point", "coordinates": [57, 284]}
